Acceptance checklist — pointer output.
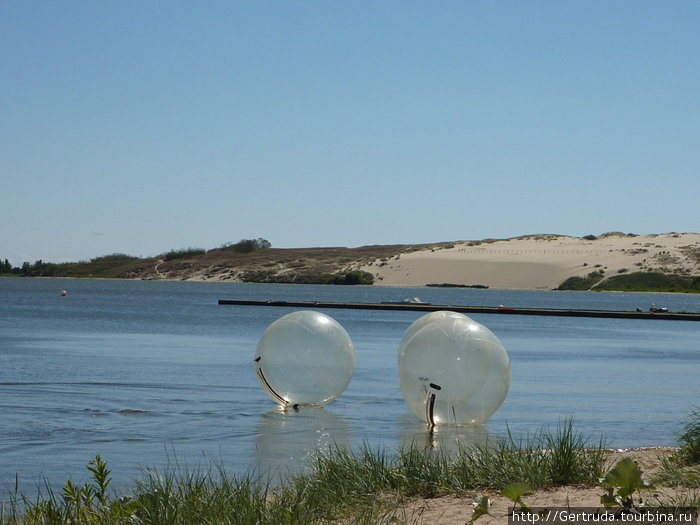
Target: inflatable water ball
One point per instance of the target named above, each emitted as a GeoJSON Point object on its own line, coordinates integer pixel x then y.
{"type": "Point", "coordinates": [304, 358]}
{"type": "Point", "coordinates": [422, 321]}
{"type": "Point", "coordinates": [454, 371]}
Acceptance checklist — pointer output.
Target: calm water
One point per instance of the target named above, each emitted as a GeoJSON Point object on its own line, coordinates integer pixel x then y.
{"type": "Point", "coordinates": [153, 373]}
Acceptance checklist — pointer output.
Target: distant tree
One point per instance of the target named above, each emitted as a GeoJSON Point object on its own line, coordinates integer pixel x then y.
{"type": "Point", "coordinates": [38, 269]}
{"type": "Point", "coordinates": [248, 245]}
{"type": "Point", "coordinates": [42, 269]}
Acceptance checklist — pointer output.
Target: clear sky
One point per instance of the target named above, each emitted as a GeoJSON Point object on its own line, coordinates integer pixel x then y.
{"type": "Point", "coordinates": [140, 127]}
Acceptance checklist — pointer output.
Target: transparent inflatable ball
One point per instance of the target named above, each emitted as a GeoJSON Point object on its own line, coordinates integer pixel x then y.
{"type": "Point", "coordinates": [304, 358]}
{"type": "Point", "coordinates": [423, 321]}
{"type": "Point", "coordinates": [454, 370]}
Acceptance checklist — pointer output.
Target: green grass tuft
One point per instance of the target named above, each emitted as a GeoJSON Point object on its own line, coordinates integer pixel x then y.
{"type": "Point", "coordinates": [683, 467]}
{"type": "Point", "coordinates": [545, 459]}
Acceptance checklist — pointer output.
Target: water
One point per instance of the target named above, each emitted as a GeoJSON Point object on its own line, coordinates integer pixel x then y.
{"type": "Point", "coordinates": [149, 374]}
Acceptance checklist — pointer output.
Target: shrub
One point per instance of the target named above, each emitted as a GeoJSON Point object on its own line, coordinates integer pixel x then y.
{"type": "Point", "coordinates": [582, 283]}
{"type": "Point", "coordinates": [183, 253]}
{"type": "Point", "coordinates": [354, 277]}
{"type": "Point", "coordinates": [650, 281]}
{"type": "Point", "coordinates": [248, 245]}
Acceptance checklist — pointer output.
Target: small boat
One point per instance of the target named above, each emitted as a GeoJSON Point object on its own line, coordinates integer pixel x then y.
{"type": "Point", "coordinates": [658, 309]}
{"type": "Point", "coordinates": [407, 300]}
{"type": "Point", "coordinates": [413, 300]}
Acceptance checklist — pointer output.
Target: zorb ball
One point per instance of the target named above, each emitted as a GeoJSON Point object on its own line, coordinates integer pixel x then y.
{"type": "Point", "coordinates": [304, 358]}
{"type": "Point", "coordinates": [425, 320]}
{"type": "Point", "coordinates": [454, 371]}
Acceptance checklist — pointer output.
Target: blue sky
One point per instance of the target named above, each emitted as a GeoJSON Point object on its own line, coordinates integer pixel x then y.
{"type": "Point", "coordinates": [139, 127]}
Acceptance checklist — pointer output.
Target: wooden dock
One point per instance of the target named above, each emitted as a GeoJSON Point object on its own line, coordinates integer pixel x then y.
{"type": "Point", "coordinates": [418, 307]}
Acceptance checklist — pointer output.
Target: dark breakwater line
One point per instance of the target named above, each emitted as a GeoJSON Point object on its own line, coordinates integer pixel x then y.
{"type": "Point", "coordinates": [424, 307]}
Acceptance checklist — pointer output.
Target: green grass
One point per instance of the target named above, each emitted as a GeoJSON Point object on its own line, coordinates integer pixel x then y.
{"type": "Point", "coordinates": [683, 467]}
{"type": "Point", "coordinates": [546, 459]}
{"type": "Point", "coordinates": [673, 473]}
{"type": "Point", "coordinates": [650, 282]}
{"type": "Point", "coordinates": [365, 486]}
{"type": "Point", "coordinates": [689, 440]}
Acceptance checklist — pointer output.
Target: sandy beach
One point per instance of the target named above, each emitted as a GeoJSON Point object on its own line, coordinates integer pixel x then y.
{"type": "Point", "coordinates": [451, 510]}
{"type": "Point", "coordinates": [539, 261]}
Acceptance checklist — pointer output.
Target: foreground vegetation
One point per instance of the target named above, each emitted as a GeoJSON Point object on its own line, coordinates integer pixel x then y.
{"type": "Point", "coordinates": [340, 486]}
{"type": "Point", "coordinates": [366, 486]}
{"type": "Point", "coordinates": [683, 467]}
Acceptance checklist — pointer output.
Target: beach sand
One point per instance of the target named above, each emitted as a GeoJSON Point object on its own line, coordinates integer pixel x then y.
{"type": "Point", "coordinates": [539, 261]}
{"type": "Point", "coordinates": [450, 510]}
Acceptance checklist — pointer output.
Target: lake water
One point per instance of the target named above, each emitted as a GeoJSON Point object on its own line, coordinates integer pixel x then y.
{"type": "Point", "coordinates": [149, 374]}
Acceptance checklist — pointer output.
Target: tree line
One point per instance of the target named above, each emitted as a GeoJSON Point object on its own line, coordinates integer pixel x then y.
{"type": "Point", "coordinates": [38, 269]}
{"type": "Point", "coordinates": [110, 265]}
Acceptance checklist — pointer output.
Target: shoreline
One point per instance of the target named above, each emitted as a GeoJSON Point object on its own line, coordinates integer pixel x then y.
{"type": "Point", "coordinates": [654, 262]}
{"type": "Point", "coordinates": [447, 505]}
{"type": "Point", "coordinates": [375, 285]}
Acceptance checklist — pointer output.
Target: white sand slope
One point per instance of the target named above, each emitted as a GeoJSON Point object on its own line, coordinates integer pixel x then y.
{"type": "Point", "coordinates": [540, 261]}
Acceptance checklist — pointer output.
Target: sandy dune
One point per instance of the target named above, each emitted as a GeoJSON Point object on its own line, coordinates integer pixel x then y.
{"type": "Point", "coordinates": [539, 261]}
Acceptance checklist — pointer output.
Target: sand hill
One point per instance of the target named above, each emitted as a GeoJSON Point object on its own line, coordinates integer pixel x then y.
{"type": "Point", "coordinates": [539, 261]}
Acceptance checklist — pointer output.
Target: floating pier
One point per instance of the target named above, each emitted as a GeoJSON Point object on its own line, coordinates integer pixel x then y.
{"type": "Point", "coordinates": [426, 307]}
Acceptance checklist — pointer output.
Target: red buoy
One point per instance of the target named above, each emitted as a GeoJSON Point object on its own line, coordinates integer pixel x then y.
{"type": "Point", "coordinates": [63, 293]}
